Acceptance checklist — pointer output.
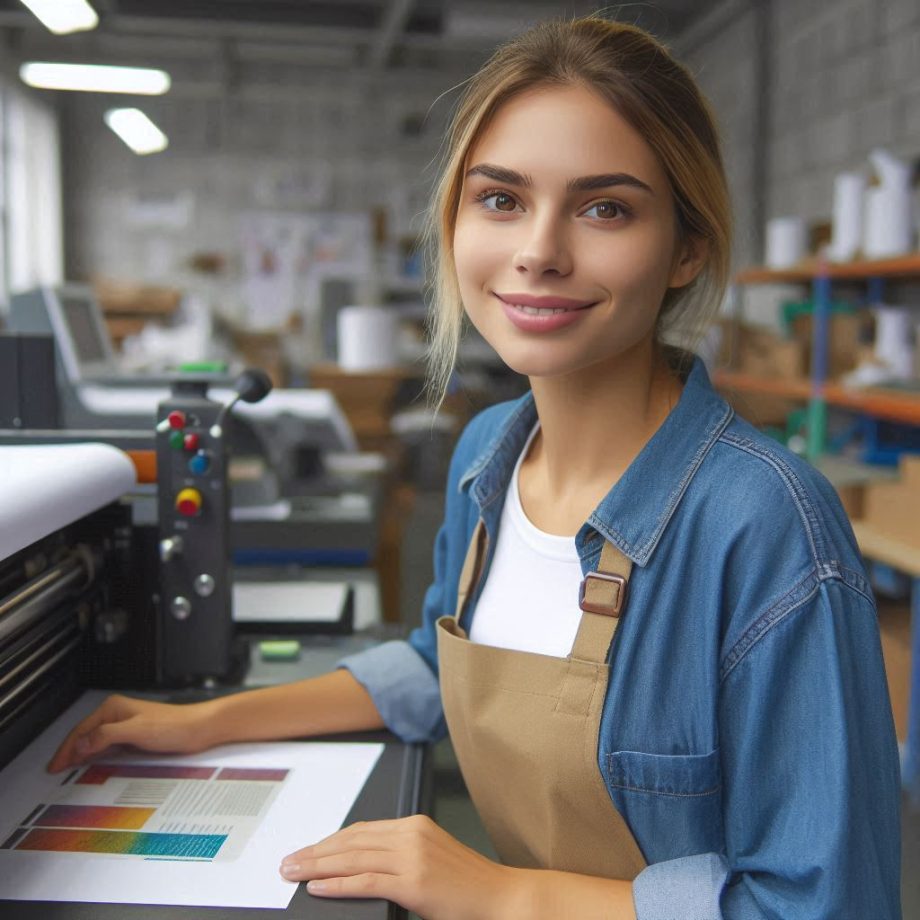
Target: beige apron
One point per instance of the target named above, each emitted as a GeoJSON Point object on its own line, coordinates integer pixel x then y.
{"type": "Point", "coordinates": [525, 729]}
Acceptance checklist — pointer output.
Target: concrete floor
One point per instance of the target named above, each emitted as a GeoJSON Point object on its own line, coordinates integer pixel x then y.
{"type": "Point", "coordinates": [452, 807]}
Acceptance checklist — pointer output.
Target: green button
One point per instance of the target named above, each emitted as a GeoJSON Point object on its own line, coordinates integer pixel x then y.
{"type": "Point", "coordinates": [177, 440]}
{"type": "Point", "coordinates": [203, 367]}
{"type": "Point", "coordinates": [280, 649]}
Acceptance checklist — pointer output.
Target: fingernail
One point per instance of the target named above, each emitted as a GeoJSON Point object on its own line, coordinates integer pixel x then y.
{"type": "Point", "coordinates": [289, 869]}
{"type": "Point", "coordinates": [316, 886]}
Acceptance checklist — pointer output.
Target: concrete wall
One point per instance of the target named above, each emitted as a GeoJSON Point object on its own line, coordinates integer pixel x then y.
{"type": "Point", "coordinates": [339, 143]}
{"type": "Point", "coordinates": [838, 79]}
{"type": "Point", "coordinates": [802, 89]}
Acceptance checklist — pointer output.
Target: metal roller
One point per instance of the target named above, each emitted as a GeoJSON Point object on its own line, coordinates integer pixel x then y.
{"type": "Point", "coordinates": [36, 598]}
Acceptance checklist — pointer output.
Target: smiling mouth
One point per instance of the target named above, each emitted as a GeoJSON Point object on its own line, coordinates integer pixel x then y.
{"type": "Point", "coordinates": [550, 309]}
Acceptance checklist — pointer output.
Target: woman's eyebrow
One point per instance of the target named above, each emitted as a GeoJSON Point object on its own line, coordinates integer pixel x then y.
{"type": "Point", "coordinates": [581, 184]}
{"type": "Point", "coordinates": [500, 174]}
{"type": "Point", "coordinates": [606, 180]}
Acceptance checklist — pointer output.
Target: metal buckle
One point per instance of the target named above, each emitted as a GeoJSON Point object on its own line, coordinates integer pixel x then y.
{"type": "Point", "coordinates": [607, 610]}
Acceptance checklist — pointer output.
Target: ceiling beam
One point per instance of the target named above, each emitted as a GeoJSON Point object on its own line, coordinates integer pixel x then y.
{"type": "Point", "coordinates": [392, 27]}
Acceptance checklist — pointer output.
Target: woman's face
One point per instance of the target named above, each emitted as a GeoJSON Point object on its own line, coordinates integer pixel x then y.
{"type": "Point", "coordinates": [565, 240]}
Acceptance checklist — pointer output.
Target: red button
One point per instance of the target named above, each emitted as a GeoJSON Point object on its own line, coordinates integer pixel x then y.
{"type": "Point", "coordinates": [188, 502]}
{"type": "Point", "coordinates": [191, 442]}
{"type": "Point", "coordinates": [176, 419]}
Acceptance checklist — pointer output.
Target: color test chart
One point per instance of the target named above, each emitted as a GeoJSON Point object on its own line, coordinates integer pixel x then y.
{"type": "Point", "coordinates": [200, 830]}
{"type": "Point", "coordinates": [152, 811]}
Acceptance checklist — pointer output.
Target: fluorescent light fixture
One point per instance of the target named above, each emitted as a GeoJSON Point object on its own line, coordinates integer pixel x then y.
{"type": "Point", "coordinates": [95, 78]}
{"type": "Point", "coordinates": [136, 130]}
{"type": "Point", "coordinates": [63, 16]}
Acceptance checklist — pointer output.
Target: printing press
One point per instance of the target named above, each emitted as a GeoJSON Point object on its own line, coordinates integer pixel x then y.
{"type": "Point", "coordinates": [104, 585]}
{"type": "Point", "coordinates": [99, 589]}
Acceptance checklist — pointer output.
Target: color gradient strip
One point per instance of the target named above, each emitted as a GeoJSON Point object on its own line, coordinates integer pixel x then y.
{"type": "Point", "coordinates": [98, 773]}
{"type": "Point", "coordinates": [189, 846]}
{"type": "Point", "coordinates": [109, 816]}
{"type": "Point", "coordinates": [261, 774]}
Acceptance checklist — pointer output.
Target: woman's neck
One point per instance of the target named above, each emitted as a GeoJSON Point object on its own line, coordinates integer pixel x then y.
{"type": "Point", "coordinates": [593, 424]}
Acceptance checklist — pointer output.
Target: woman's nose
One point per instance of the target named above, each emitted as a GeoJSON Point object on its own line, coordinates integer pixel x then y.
{"type": "Point", "coordinates": [543, 249]}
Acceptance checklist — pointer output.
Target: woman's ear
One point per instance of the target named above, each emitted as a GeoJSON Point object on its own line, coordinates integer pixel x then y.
{"type": "Point", "coordinates": [691, 257]}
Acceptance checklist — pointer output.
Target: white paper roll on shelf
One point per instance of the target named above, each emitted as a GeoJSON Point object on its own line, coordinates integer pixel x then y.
{"type": "Point", "coordinates": [849, 193]}
{"type": "Point", "coordinates": [366, 338]}
{"type": "Point", "coordinates": [786, 242]}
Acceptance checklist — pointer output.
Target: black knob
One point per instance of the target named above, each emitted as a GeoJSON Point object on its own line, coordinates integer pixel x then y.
{"type": "Point", "coordinates": [253, 385]}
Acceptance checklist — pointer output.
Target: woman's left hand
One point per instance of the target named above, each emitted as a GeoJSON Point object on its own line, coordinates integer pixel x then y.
{"type": "Point", "coordinates": [410, 861]}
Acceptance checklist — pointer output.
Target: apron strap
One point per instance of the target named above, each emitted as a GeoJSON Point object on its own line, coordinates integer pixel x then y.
{"type": "Point", "coordinates": [602, 599]}
{"type": "Point", "coordinates": [472, 567]}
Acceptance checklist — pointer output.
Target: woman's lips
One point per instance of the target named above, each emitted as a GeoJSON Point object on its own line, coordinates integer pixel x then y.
{"type": "Point", "coordinates": [544, 303]}
{"type": "Point", "coordinates": [542, 314]}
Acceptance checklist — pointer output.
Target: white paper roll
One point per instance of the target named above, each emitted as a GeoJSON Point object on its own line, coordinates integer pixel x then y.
{"type": "Point", "coordinates": [849, 192]}
{"type": "Point", "coordinates": [893, 345]}
{"type": "Point", "coordinates": [888, 229]}
{"type": "Point", "coordinates": [366, 338]}
{"type": "Point", "coordinates": [786, 242]}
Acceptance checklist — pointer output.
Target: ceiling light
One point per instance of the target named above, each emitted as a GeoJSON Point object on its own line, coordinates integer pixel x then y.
{"type": "Point", "coordinates": [136, 130]}
{"type": "Point", "coordinates": [95, 78]}
{"type": "Point", "coordinates": [63, 16]}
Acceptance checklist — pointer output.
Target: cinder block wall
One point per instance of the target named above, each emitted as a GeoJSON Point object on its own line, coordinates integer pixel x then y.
{"type": "Point", "coordinates": [802, 89]}
{"type": "Point", "coordinates": [840, 78]}
{"type": "Point", "coordinates": [338, 143]}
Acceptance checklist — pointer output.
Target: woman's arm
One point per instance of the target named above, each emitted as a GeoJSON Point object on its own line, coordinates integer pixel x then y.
{"type": "Point", "coordinates": [415, 863]}
{"type": "Point", "coordinates": [332, 703]}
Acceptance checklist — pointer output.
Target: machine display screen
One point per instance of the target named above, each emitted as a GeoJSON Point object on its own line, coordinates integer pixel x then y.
{"type": "Point", "coordinates": [80, 316]}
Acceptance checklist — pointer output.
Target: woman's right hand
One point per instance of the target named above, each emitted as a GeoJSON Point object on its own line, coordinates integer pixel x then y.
{"type": "Point", "coordinates": [162, 727]}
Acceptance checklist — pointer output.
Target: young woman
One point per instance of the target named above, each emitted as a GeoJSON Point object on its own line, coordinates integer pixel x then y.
{"type": "Point", "coordinates": [650, 633]}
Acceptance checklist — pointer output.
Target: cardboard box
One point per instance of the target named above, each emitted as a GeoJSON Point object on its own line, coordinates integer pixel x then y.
{"type": "Point", "coordinates": [760, 352]}
{"type": "Point", "coordinates": [264, 350]}
{"type": "Point", "coordinates": [893, 508]}
{"type": "Point", "coordinates": [128, 297]}
{"type": "Point", "coordinates": [894, 625]}
{"type": "Point", "coordinates": [368, 399]}
{"type": "Point", "coordinates": [843, 344]}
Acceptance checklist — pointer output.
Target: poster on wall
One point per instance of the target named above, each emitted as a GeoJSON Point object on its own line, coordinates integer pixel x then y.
{"type": "Point", "coordinates": [284, 256]}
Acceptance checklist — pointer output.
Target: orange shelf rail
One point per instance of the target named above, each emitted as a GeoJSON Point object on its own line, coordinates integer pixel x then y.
{"type": "Point", "coordinates": [894, 405]}
{"type": "Point", "coordinates": [901, 267]}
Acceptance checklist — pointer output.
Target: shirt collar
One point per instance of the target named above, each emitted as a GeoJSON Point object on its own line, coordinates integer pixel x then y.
{"type": "Point", "coordinates": [635, 512]}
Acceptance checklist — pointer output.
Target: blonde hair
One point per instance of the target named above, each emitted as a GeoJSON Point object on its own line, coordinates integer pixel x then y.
{"type": "Point", "coordinates": [658, 97]}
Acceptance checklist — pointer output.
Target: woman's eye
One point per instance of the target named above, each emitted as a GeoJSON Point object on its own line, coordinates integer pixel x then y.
{"type": "Point", "coordinates": [606, 210]}
{"type": "Point", "coordinates": [498, 201]}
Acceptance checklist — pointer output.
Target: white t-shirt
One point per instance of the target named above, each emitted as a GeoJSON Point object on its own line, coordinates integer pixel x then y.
{"type": "Point", "coordinates": [530, 599]}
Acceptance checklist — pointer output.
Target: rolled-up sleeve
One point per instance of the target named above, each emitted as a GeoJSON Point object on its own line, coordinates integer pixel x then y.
{"type": "Point", "coordinates": [688, 888]}
{"type": "Point", "coordinates": [403, 688]}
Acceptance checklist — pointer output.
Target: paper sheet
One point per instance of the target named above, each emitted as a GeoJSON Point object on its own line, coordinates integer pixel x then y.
{"type": "Point", "coordinates": [46, 487]}
{"type": "Point", "coordinates": [288, 602]}
{"type": "Point", "coordinates": [206, 830]}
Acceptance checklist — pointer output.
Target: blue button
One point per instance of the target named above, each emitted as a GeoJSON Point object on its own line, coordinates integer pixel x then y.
{"type": "Point", "coordinates": [200, 463]}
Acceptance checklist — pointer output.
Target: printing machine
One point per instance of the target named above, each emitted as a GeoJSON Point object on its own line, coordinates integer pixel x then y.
{"type": "Point", "coordinates": [96, 592]}
{"type": "Point", "coordinates": [290, 511]}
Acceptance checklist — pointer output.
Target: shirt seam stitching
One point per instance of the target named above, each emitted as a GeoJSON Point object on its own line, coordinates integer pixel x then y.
{"type": "Point", "coordinates": [793, 485]}
{"type": "Point", "coordinates": [775, 614]}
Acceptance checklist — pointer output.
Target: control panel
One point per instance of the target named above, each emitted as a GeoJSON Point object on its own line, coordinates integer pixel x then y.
{"type": "Point", "coordinates": [194, 542]}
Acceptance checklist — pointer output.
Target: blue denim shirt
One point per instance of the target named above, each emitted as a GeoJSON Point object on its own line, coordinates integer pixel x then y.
{"type": "Point", "coordinates": [746, 736]}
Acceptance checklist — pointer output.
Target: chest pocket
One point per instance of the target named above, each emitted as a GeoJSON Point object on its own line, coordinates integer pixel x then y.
{"type": "Point", "coordinates": [672, 802]}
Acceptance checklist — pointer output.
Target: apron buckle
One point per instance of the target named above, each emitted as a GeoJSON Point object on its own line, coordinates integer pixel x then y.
{"type": "Point", "coordinates": [608, 582]}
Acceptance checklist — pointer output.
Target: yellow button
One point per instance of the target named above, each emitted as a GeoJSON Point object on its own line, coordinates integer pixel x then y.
{"type": "Point", "coordinates": [188, 502]}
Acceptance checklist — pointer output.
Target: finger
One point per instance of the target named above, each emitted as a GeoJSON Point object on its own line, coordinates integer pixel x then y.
{"type": "Point", "coordinates": [349, 862]}
{"type": "Point", "coordinates": [365, 835]}
{"type": "Point", "coordinates": [106, 736]}
{"type": "Point", "coordinates": [366, 885]}
{"type": "Point", "coordinates": [65, 755]}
